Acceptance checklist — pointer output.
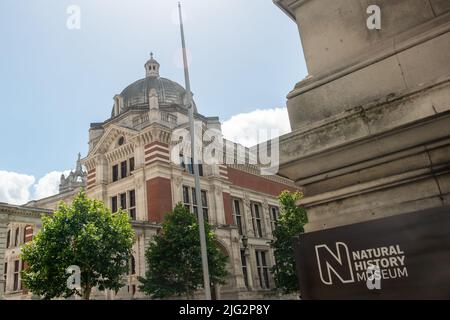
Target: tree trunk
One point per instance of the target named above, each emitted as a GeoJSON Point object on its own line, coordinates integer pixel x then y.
{"type": "Point", "coordinates": [87, 293]}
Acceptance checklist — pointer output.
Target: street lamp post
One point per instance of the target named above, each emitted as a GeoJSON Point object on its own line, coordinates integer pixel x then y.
{"type": "Point", "coordinates": [195, 165]}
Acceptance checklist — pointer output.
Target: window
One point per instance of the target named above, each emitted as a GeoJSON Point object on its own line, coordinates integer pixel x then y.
{"type": "Point", "coordinates": [123, 169]}
{"type": "Point", "coordinates": [23, 267]}
{"type": "Point", "coordinates": [188, 167]}
{"type": "Point", "coordinates": [123, 201]}
{"type": "Point", "coordinates": [256, 219]}
{"type": "Point", "coordinates": [8, 239]}
{"type": "Point", "coordinates": [192, 206]}
{"type": "Point", "coordinates": [5, 271]}
{"type": "Point", "coordinates": [244, 267]}
{"type": "Point", "coordinates": [205, 204]}
{"type": "Point", "coordinates": [115, 173]}
{"type": "Point", "coordinates": [237, 215]}
{"type": "Point", "coordinates": [132, 201]}
{"type": "Point", "coordinates": [27, 234]}
{"type": "Point", "coordinates": [186, 201]}
{"type": "Point", "coordinates": [121, 141]}
{"type": "Point", "coordinates": [16, 275]}
{"type": "Point", "coordinates": [263, 269]}
{"type": "Point", "coordinates": [24, 236]}
{"type": "Point", "coordinates": [274, 216]}
{"type": "Point", "coordinates": [132, 266]}
{"type": "Point", "coordinates": [114, 204]}
{"type": "Point", "coordinates": [16, 238]}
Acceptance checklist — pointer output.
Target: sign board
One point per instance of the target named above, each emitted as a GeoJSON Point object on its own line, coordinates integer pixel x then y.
{"type": "Point", "coordinates": [401, 257]}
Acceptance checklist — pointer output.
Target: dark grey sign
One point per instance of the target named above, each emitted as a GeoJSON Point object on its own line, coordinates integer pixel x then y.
{"type": "Point", "coordinates": [402, 257]}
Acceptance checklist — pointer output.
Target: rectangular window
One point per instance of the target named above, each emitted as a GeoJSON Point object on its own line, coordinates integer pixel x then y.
{"type": "Point", "coordinates": [132, 200]}
{"type": "Point", "coordinates": [5, 272]}
{"type": "Point", "coordinates": [192, 205]}
{"type": "Point", "coordinates": [263, 269]}
{"type": "Point", "coordinates": [131, 162]}
{"type": "Point", "coordinates": [182, 162]}
{"type": "Point", "coordinates": [16, 238]}
{"type": "Point", "coordinates": [123, 201]}
{"type": "Point", "coordinates": [16, 275]}
{"type": "Point", "coordinates": [244, 267]}
{"type": "Point", "coordinates": [186, 198]}
{"type": "Point", "coordinates": [238, 216]}
{"type": "Point", "coordinates": [123, 169]}
{"type": "Point", "coordinates": [187, 165]}
{"type": "Point", "coordinates": [256, 219]}
{"type": "Point", "coordinates": [114, 204]}
{"type": "Point", "coordinates": [205, 205]}
{"type": "Point", "coordinates": [115, 173]}
{"type": "Point", "coordinates": [8, 239]}
{"type": "Point", "coordinates": [274, 216]}
{"type": "Point", "coordinates": [190, 167]}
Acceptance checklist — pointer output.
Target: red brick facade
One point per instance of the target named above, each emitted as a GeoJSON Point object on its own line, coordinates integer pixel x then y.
{"type": "Point", "coordinates": [159, 198]}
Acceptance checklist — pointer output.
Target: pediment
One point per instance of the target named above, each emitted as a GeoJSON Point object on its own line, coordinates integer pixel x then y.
{"type": "Point", "coordinates": [109, 140]}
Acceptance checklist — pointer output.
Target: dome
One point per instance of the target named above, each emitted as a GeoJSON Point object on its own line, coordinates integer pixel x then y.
{"type": "Point", "coordinates": [137, 94]}
{"type": "Point", "coordinates": [169, 92]}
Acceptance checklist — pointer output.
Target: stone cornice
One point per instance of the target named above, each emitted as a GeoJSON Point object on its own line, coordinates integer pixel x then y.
{"type": "Point", "coordinates": [255, 170]}
{"type": "Point", "coordinates": [375, 54]}
{"type": "Point", "coordinates": [357, 149]}
{"type": "Point", "coordinates": [23, 211]}
{"type": "Point", "coordinates": [289, 6]}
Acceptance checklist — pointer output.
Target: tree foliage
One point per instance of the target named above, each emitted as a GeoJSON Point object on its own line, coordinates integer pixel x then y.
{"type": "Point", "coordinates": [290, 224]}
{"type": "Point", "coordinates": [174, 265]}
{"type": "Point", "coordinates": [85, 234]}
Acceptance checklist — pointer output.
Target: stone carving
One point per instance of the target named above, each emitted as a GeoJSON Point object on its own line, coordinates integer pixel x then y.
{"type": "Point", "coordinates": [74, 180]}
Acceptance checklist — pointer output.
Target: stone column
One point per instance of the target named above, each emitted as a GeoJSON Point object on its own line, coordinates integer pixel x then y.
{"type": "Point", "coordinates": [3, 227]}
{"type": "Point", "coordinates": [265, 217]}
{"type": "Point", "coordinates": [141, 195]}
{"type": "Point", "coordinates": [247, 214]}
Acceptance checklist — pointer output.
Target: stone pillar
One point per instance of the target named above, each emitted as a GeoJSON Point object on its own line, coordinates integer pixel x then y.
{"type": "Point", "coordinates": [141, 204]}
{"type": "Point", "coordinates": [371, 122]}
{"type": "Point", "coordinates": [3, 227]}
{"type": "Point", "coordinates": [247, 214]}
{"type": "Point", "coordinates": [102, 170]}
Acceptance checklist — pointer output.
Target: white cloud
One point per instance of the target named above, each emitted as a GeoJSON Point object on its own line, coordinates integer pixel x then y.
{"type": "Point", "coordinates": [48, 185]}
{"type": "Point", "coordinates": [15, 187]}
{"type": "Point", "coordinates": [18, 188]}
{"type": "Point", "coordinates": [257, 126]}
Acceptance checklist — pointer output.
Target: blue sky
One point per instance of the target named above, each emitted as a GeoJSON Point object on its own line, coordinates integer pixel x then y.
{"type": "Point", "coordinates": [245, 55]}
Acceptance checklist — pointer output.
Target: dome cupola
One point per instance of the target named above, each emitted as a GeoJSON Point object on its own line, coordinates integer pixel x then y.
{"type": "Point", "coordinates": [138, 94]}
{"type": "Point", "coordinates": [152, 67]}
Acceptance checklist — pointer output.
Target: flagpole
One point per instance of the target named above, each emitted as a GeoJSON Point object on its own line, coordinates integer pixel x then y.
{"type": "Point", "coordinates": [195, 165]}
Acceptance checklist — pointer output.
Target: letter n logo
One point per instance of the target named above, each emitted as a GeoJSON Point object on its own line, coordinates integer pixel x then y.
{"type": "Point", "coordinates": [337, 263]}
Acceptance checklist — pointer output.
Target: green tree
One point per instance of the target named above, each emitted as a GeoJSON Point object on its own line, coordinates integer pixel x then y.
{"type": "Point", "coordinates": [85, 234]}
{"type": "Point", "coordinates": [290, 224]}
{"type": "Point", "coordinates": [174, 265]}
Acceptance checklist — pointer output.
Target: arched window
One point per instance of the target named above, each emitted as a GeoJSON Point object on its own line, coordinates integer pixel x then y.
{"type": "Point", "coordinates": [8, 239]}
{"type": "Point", "coordinates": [16, 238]}
{"type": "Point", "coordinates": [28, 234]}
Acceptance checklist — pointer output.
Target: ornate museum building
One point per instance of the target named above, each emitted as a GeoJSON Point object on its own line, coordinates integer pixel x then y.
{"type": "Point", "coordinates": [129, 166]}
